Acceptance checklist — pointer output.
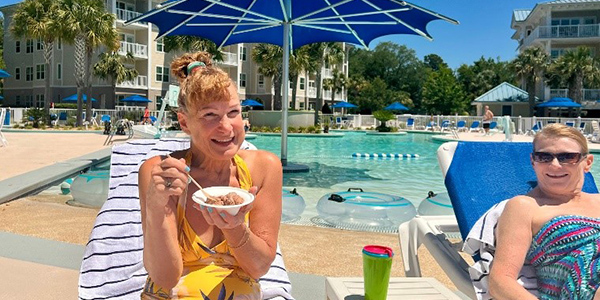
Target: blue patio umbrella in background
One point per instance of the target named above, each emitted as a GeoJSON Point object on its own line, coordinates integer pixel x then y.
{"type": "Point", "coordinates": [559, 102]}
{"type": "Point", "coordinates": [137, 99]}
{"type": "Point", "coordinates": [396, 106]}
{"type": "Point", "coordinates": [73, 98]}
{"type": "Point", "coordinates": [289, 24]}
{"type": "Point", "coordinates": [4, 74]}
{"type": "Point", "coordinates": [251, 103]}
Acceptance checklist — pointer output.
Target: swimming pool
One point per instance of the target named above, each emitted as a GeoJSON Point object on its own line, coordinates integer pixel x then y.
{"type": "Point", "coordinates": [333, 169]}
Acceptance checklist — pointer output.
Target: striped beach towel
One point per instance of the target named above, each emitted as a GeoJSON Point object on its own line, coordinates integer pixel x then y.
{"type": "Point", "coordinates": [481, 242]}
{"type": "Point", "coordinates": [112, 266]}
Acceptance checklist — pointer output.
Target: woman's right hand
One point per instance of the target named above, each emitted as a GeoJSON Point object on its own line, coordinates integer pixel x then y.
{"type": "Point", "coordinates": [169, 177]}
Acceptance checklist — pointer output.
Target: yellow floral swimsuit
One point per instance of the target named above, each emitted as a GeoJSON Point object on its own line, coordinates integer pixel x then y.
{"type": "Point", "coordinates": [208, 274]}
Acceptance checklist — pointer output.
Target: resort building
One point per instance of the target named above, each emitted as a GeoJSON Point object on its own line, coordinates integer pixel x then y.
{"type": "Point", "coordinates": [504, 99]}
{"type": "Point", "coordinates": [559, 26]}
{"type": "Point", "coordinates": [25, 62]}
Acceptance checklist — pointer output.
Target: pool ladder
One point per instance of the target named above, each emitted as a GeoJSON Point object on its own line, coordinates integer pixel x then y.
{"type": "Point", "coordinates": [454, 133]}
{"type": "Point", "coordinates": [123, 127]}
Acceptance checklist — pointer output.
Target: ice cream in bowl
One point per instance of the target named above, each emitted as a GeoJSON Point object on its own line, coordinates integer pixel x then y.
{"type": "Point", "coordinates": [223, 198]}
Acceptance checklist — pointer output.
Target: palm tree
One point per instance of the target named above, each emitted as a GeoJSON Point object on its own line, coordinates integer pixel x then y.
{"type": "Point", "coordinates": [530, 66]}
{"type": "Point", "coordinates": [299, 62]}
{"type": "Point", "coordinates": [335, 84]}
{"type": "Point", "coordinates": [321, 55]}
{"type": "Point", "coordinates": [112, 66]}
{"type": "Point", "coordinates": [89, 26]}
{"type": "Point", "coordinates": [574, 67]}
{"type": "Point", "coordinates": [192, 44]}
{"type": "Point", "coordinates": [270, 58]}
{"type": "Point", "coordinates": [37, 19]}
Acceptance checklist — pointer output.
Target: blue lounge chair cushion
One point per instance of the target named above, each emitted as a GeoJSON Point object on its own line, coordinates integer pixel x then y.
{"type": "Point", "coordinates": [485, 182]}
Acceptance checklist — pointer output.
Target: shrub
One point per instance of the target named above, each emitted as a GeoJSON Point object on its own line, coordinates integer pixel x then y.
{"type": "Point", "coordinates": [383, 116]}
{"type": "Point", "coordinates": [277, 129]}
{"type": "Point", "coordinates": [65, 105]}
{"type": "Point", "coordinates": [36, 115]}
{"type": "Point", "coordinates": [292, 129]}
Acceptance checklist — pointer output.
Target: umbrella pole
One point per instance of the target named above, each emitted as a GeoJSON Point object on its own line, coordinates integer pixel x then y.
{"type": "Point", "coordinates": [284, 105]}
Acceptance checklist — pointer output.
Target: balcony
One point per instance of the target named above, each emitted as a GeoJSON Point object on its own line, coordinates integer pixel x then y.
{"type": "Point", "coordinates": [327, 73]}
{"type": "Point", "coordinates": [312, 92]}
{"type": "Point", "coordinates": [589, 95]}
{"type": "Point", "coordinates": [124, 15]}
{"type": "Point", "coordinates": [140, 82]}
{"type": "Point", "coordinates": [562, 32]}
{"type": "Point", "coordinates": [137, 50]}
{"type": "Point", "coordinates": [229, 59]}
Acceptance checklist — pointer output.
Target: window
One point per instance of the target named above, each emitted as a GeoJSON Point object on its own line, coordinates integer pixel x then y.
{"type": "Point", "coordinates": [302, 83]}
{"type": "Point", "coordinates": [260, 81]}
{"type": "Point", "coordinates": [159, 101]}
{"type": "Point", "coordinates": [28, 100]}
{"type": "Point", "coordinates": [58, 71]}
{"type": "Point", "coordinates": [17, 73]}
{"type": "Point", "coordinates": [242, 80]}
{"type": "Point", "coordinates": [507, 110]}
{"type": "Point", "coordinates": [162, 74]}
{"type": "Point", "coordinates": [29, 74]}
{"type": "Point", "coordinates": [39, 45]}
{"type": "Point", "coordinates": [59, 44]}
{"type": "Point", "coordinates": [18, 100]}
{"type": "Point", "coordinates": [40, 72]}
{"type": "Point", "coordinates": [39, 100]}
{"type": "Point", "coordinates": [243, 53]}
{"type": "Point", "coordinates": [29, 46]}
{"type": "Point", "coordinates": [18, 46]}
{"type": "Point", "coordinates": [160, 45]}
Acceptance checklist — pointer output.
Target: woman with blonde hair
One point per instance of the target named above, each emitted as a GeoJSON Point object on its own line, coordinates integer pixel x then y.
{"type": "Point", "coordinates": [196, 253]}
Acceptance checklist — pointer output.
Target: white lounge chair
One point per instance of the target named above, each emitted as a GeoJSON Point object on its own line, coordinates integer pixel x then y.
{"type": "Point", "coordinates": [112, 266]}
{"type": "Point", "coordinates": [512, 176]}
{"type": "Point", "coordinates": [3, 141]}
{"type": "Point", "coordinates": [595, 133]}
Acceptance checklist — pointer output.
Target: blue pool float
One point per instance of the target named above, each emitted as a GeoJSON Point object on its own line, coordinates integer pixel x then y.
{"type": "Point", "coordinates": [436, 205]}
{"type": "Point", "coordinates": [91, 188]}
{"type": "Point", "coordinates": [293, 205]}
{"type": "Point", "coordinates": [357, 209]}
{"type": "Point", "coordinates": [65, 186]}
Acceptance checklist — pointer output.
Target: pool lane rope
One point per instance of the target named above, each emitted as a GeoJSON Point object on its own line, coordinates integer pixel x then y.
{"type": "Point", "coordinates": [384, 155]}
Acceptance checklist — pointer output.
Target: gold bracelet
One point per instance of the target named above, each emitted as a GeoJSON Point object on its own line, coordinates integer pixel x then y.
{"type": "Point", "coordinates": [245, 240]}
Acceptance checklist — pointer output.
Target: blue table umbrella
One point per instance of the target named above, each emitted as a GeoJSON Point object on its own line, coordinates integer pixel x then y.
{"type": "Point", "coordinates": [396, 106]}
{"type": "Point", "coordinates": [559, 102]}
{"type": "Point", "coordinates": [251, 102]}
{"type": "Point", "coordinates": [4, 74]}
{"type": "Point", "coordinates": [343, 104]}
{"type": "Point", "coordinates": [73, 98]}
{"type": "Point", "coordinates": [289, 24]}
{"type": "Point", "coordinates": [136, 98]}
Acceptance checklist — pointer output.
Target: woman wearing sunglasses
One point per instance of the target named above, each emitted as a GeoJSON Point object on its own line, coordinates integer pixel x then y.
{"type": "Point", "coordinates": [555, 227]}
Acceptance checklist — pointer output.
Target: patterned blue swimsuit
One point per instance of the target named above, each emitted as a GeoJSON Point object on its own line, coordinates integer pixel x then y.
{"type": "Point", "coordinates": [565, 256]}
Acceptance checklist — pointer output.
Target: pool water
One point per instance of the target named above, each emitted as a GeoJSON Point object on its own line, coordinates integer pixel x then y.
{"type": "Point", "coordinates": [333, 169]}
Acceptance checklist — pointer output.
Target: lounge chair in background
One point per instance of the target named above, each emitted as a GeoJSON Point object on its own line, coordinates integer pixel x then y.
{"type": "Point", "coordinates": [431, 126]}
{"type": "Point", "coordinates": [61, 120]}
{"type": "Point", "coordinates": [104, 119]}
{"type": "Point", "coordinates": [410, 124]}
{"type": "Point", "coordinates": [570, 123]}
{"type": "Point", "coordinates": [595, 133]}
{"type": "Point", "coordinates": [582, 127]}
{"type": "Point", "coordinates": [461, 126]}
{"type": "Point", "coordinates": [475, 127]}
{"type": "Point", "coordinates": [445, 126]}
{"type": "Point", "coordinates": [512, 175]}
{"type": "Point", "coordinates": [112, 266]}
{"type": "Point", "coordinates": [536, 127]}
{"type": "Point", "coordinates": [3, 141]}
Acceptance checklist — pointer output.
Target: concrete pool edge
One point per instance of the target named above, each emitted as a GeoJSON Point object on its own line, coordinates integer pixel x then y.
{"type": "Point", "coordinates": [36, 180]}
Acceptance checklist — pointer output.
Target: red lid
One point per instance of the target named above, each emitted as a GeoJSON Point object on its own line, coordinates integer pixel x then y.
{"type": "Point", "coordinates": [378, 250]}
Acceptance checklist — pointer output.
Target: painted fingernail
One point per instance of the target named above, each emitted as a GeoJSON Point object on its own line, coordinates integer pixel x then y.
{"type": "Point", "coordinates": [187, 168]}
{"type": "Point", "coordinates": [222, 215]}
{"type": "Point", "coordinates": [210, 209]}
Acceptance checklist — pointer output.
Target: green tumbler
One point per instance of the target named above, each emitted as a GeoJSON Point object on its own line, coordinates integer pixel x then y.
{"type": "Point", "coordinates": [377, 265]}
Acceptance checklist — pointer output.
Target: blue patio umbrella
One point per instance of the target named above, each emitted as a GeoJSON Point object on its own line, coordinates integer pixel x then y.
{"type": "Point", "coordinates": [137, 99]}
{"type": "Point", "coordinates": [4, 74]}
{"type": "Point", "coordinates": [559, 102]}
{"type": "Point", "coordinates": [251, 102]}
{"type": "Point", "coordinates": [343, 104]}
{"type": "Point", "coordinates": [289, 24]}
{"type": "Point", "coordinates": [396, 106]}
{"type": "Point", "coordinates": [73, 98]}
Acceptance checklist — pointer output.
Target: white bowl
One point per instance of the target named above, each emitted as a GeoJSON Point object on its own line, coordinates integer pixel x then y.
{"type": "Point", "coordinates": [200, 198]}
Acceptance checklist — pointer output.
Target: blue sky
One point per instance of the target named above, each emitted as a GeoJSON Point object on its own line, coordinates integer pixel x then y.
{"type": "Point", "coordinates": [484, 30]}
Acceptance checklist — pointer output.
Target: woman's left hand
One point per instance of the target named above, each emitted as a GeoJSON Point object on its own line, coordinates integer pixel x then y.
{"type": "Point", "coordinates": [224, 220]}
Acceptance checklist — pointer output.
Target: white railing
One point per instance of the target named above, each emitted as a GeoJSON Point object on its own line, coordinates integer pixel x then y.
{"type": "Point", "coordinates": [588, 94]}
{"type": "Point", "coordinates": [327, 73]}
{"type": "Point", "coordinates": [562, 31]}
{"type": "Point", "coordinates": [139, 82]}
{"type": "Point", "coordinates": [137, 50]}
{"type": "Point", "coordinates": [312, 92]}
{"type": "Point", "coordinates": [229, 59]}
{"type": "Point", "coordinates": [123, 14]}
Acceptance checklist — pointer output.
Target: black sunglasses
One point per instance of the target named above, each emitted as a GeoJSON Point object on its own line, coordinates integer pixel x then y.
{"type": "Point", "coordinates": [563, 158]}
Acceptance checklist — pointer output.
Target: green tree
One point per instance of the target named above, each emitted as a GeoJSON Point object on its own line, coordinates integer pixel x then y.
{"type": "Point", "coordinates": [192, 44]}
{"type": "Point", "coordinates": [322, 55]}
{"type": "Point", "coordinates": [269, 59]}
{"type": "Point", "coordinates": [335, 84]}
{"type": "Point", "coordinates": [442, 94]}
{"type": "Point", "coordinates": [38, 19]}
{"type": "Point", "coordinates": [299, 62]}
{"type": "Point", "coordinates": [483, 75]}
{"type": "Point", "coordinates": [530, 65]}
{"type": "Point", "coordinates": [434, 62]}
{"type": "Point", "coordinates": [573, 68]}
{"type": "Point", "coordinates": [88, 26]}
{"type": "Point", "coordinates": [112, 66]}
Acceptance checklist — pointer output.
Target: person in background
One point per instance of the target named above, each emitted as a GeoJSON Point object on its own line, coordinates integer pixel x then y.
{"type": "Point", "coordinates": [196, 253]}
{"type": "Point", "coordinates": [146, 117]}
{"type": "Point", "coordinates": [246, 125]}
{"type": "Point", "coordinates": [488, 115]}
